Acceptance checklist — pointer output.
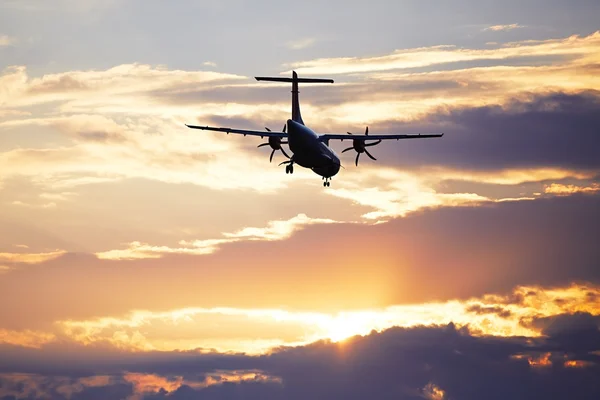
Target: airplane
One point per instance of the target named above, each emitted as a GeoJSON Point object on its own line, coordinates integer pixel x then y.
{"type": "Point", "coordinates": [309, 149]}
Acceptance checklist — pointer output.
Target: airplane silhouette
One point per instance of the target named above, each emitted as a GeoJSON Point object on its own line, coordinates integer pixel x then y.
{"type": "Point", "coordinates": [311, 150]}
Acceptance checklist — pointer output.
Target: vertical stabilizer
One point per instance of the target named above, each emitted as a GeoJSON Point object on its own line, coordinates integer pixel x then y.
{"type": "Point", "coordinates": [296, 116]}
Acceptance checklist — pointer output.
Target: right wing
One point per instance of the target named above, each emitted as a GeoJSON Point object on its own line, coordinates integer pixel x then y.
{"type": "Point", "coordinates": [335, 136]}
{"type": "Point", "coordinates": [239, 131]}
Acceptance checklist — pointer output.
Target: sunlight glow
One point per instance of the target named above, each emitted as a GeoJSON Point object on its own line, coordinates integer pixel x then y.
{"type": "Point", "coordinates": [257, 329]}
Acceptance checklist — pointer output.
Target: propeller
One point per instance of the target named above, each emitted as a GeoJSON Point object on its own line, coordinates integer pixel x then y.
{"type": "Point", "coordinates": [275, 143]}
{"type": "Point", "coordinates": [360, 146]}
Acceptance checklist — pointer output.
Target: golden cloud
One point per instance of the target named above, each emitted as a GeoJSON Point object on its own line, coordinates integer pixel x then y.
{"type": "Point", "coordinates": [26, 338]}
{"type": "Point", "coordinates": [565, 190]}
{"type": "Point", "coordinates": [256, 331]}
{"type": "Point", "coordinates": [30, 258]}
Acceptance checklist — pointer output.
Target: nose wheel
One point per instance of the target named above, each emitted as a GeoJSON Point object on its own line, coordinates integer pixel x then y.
{"type": "Point", "coordinates": [327, 182]}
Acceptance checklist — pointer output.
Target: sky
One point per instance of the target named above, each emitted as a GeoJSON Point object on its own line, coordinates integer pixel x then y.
{"type": "Point", "coordinates": [140, 259]}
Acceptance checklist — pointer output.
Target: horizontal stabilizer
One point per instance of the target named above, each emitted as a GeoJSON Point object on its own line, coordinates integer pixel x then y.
{"type": "Point", "coordinates": [299, 80]}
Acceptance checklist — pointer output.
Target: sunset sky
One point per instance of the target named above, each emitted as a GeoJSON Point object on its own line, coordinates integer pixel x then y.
{"type": "Point", "coordinates": [140, 259]}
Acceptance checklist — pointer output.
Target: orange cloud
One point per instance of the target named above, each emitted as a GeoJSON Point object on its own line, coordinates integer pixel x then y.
{"type": "Point", "coordinates": [30, 258]}
{"type": "Point", "coordinates": [565, 190]}
{"type": "Point", "coordinates": [256, 331]}
{"type": "Point", "coordinates": [26, 338]}
{"type": "Point", "coordinates": [151, 383]}
{"type": "Point", "coordinates": [433, 392]}
{"type": "Point", "coordinates": [578, 364]}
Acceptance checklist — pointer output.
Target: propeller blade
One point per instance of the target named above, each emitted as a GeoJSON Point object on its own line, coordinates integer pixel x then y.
{"type": "Point", "coordinates": [284, 153]}
{"type": "Point", "coordinates": [373, 144]}
{"type": "Point", "coordinates": [264, 144]}
{"type": "Point", "coordinates": [285, 126]}
{"type": "Point", "coordinates": [367, 131]}
{"type": "Point", "coordinates": [271, 158]}
{"type": "Point", "coordinates": [345, 150]}
{"type": "Point", "coordinates": [356, 162]}
{"type": "Point", "coordinates": [267, 129]}
{"type": "Point", "coordinates": [369, 154]}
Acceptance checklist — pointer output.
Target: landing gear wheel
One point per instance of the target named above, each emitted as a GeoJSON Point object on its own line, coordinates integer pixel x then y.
{"type": "Point", "coordinates": [291, 168]}
{"type": "Point", "coordinates": [287, 169]}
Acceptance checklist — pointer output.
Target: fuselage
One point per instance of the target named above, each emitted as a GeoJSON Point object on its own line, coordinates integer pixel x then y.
{"type": "Point", "coordinates": [310, 152]}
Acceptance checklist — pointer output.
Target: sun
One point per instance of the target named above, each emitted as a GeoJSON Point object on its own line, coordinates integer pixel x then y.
{"type": "Point", "coordinates": [344, 326]}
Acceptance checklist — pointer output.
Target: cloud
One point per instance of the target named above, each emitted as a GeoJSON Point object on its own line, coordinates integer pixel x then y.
{"type": "Point", "coordinates": [6, 41]}
{"type": "Point", "coordinates": [278, 230]}
{"type": "Point", "coordinates": [582, 48]}
{"type": "Point", "coordinates": [408, 363]}
{"type": "Point", "coordinates": [562, 190]}
{"type": "Point", "coordinates": [508, 27]}
{"type": "Point", "coordinates": [301, 43]}
{"type": "Point", "coordinates": [275, 230]}
{"type": "Point", "coordinates": [44, 205]}
{"type": "Point", "coordinates": [397, 194]}
{"type": "Point", "coordinates": [529, 133]}
{"type": "Point", "coordinates": [26, 338]}
{"type": "Point", "coordinates": [522, 312]}
{"type": "Point", "coordinates": [350, 267]}
{"type": "Point", "coordinates": [30, 258]}
{"type": "Point", "coordinates": [209, 64]}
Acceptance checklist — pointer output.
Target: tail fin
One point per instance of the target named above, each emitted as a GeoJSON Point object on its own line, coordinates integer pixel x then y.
{"type": "Point", "coordinates": [296, 116]}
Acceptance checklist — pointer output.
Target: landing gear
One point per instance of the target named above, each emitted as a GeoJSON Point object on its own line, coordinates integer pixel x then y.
{"type": "Point", "coordinates": [326, 183]}
{"type": "Point", "coordinates": [289, 168]}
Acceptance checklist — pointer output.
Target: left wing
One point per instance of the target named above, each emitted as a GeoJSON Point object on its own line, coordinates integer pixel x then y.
{"type": "Point", "coordinates": [326, 137]}
{"type": "Point", "coordinates": [239, 131]}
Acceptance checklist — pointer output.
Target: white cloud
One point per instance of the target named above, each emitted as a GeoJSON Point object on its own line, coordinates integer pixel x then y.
{"type": "Point", "coordinates": [579, 47]}
{"type": "Point", "coordinates": [275, 230]}
{"type": "Point", "coordinates": [508, 27]}
{"type": "Point", "coordinates": [6, 40]}
{"type": "Point", "coordinates": [44, 205]}
{"type": "Point", "coordinates": [300, 43]}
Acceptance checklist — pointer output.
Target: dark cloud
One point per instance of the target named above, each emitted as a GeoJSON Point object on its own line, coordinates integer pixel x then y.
{"type": "Point", "coordinates": [479, 309]}
{"type": "Point", "coordinates": [580, 332]}
{"type": "Point", "coordinates": [555, 130]}
{"type": "Point", "coordinates": [399, 363]}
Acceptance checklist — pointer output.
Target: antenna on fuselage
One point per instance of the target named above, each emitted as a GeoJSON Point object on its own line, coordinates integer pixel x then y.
{"type": "Point", "coordinates": [296, 116]}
